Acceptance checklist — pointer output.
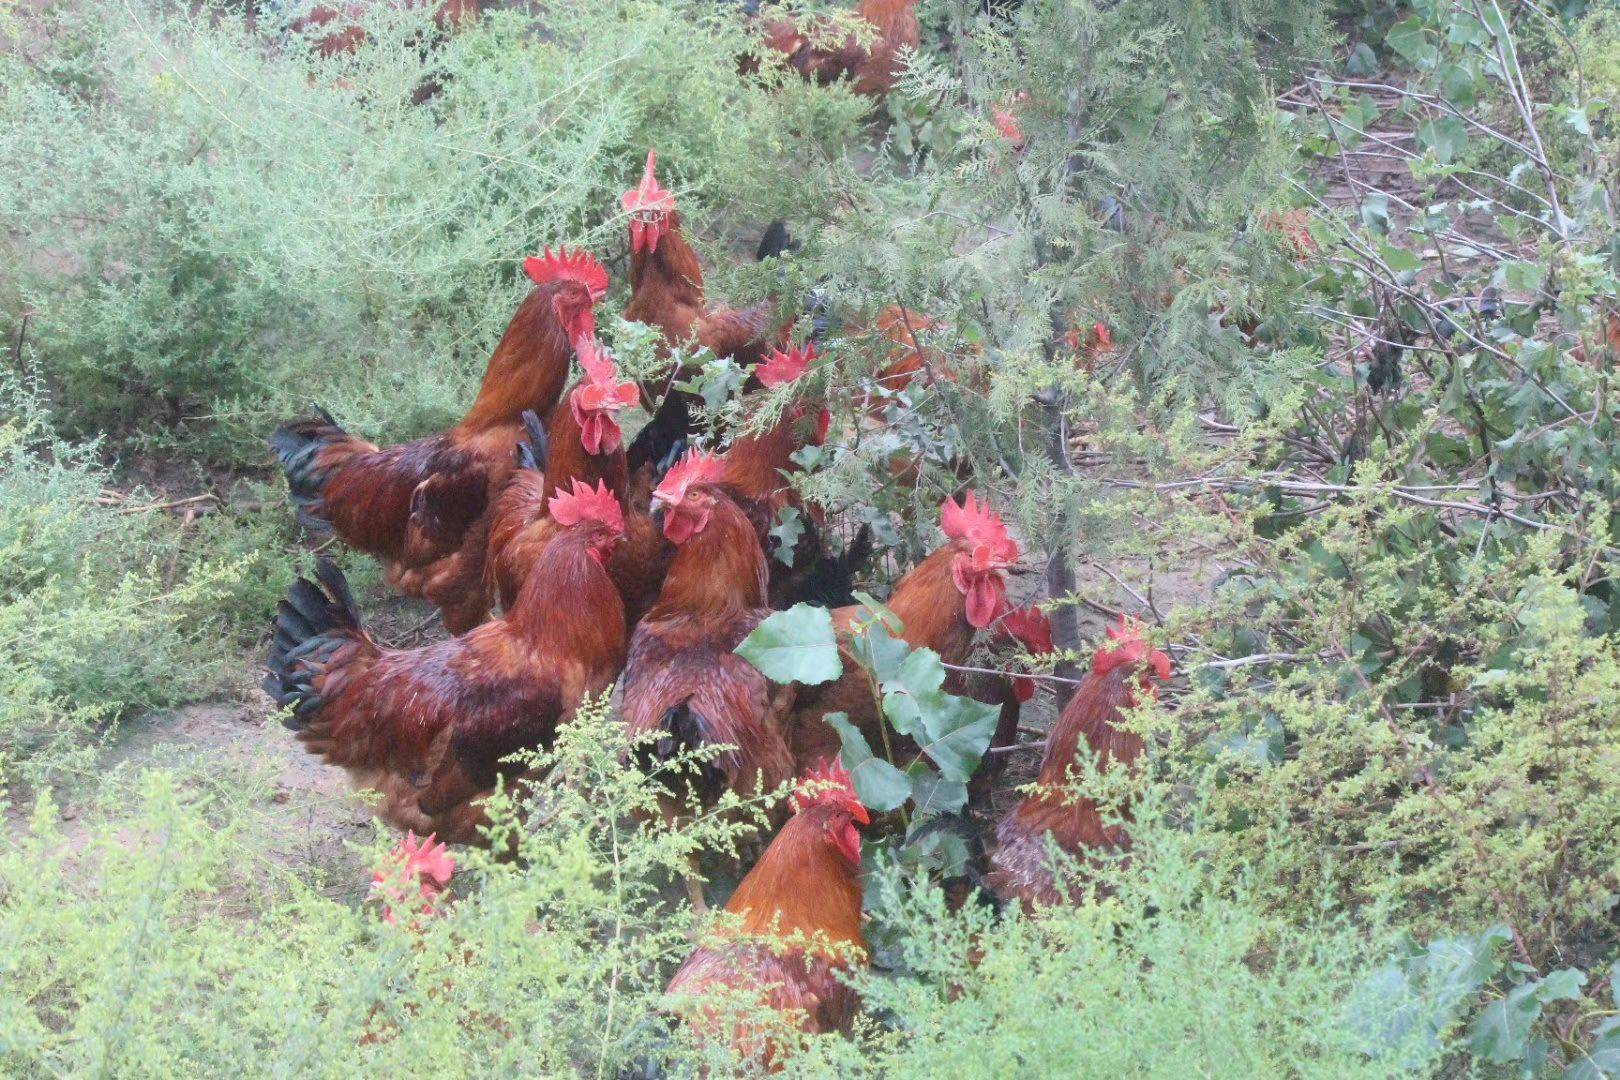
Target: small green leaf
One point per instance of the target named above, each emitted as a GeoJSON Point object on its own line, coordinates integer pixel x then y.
{"type": "Point", "coordinates": [880, 785]}
{"type": "Point", "coordinates": [1361, 62]}
{"type": "Point", "coordinates": [788, 529]}
{"type": "Point", "coordinates": [796, 645]}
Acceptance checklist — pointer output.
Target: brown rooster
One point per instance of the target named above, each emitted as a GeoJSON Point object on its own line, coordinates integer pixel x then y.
{"type": "Point", "coordinates": [800, 926]}
{"type": "Point", "coordinates": [420, 507]}
{"type": "Point", "coordinates": [666, 291]}
{"type": "Point", "coordinates": [683, 679]}
{"type": "Point", "coordinates": [428, 728]}
{"type": "Point", "coordinates": [1020, 866]}
{"type": "Point", "coordinates": [960, 588]}
{"type": "Point", "coordinates": [582, 442]}
{"type": "Point", "coordinates": [872, 68]}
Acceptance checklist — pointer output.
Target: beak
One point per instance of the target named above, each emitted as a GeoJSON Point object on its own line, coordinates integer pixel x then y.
{"type": "Point", "coordinates": [860, 814]}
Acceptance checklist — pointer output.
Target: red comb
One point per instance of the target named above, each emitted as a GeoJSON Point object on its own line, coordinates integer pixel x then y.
{"type": "Point", "coordinates": [782, 367]}
{"type": "Point", "coordinates": [697, 467]}
{"type": "Point", "coordinates": [578, 266]}
{"type": "Point", "coordinates": [828, 782]}
{"type": "Point", "coordinates": [1007, 125]}
{"type": "Point", "coordinates": [1127, 648]}
{"type": "Point", "coordinates": [603, 376]}
{"type": "Point", "coordinates": [425, 864]}
{"type": "Point", "coordinates": [1030, 627]}
{"type": "Point", "coordinates": [648, 195]}
{"type": "Point", "coordinates": [977, 524]}
{"type": "Point", "coordinates": [585, 502]}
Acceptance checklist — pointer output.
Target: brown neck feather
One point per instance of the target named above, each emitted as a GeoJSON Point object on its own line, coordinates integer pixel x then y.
{"type": "Point", "coordinates": [755, 463]}
{"type": "Point", "coordinates": [568, 461]}
{"type": "Point", "coordinates": [527, 369]}
{"type": "Point", "coordinates": [801, 885]}
{"type": "Point", "coordinates": [932, 610]}
{"type": "Point", "coordinates": [569, 607]}
{"type": "Point", "coordinates": [672, 272]}
{"type": "Point", "coordinates": [721, 570]}
{"type": "Point", "coordinates": [1091, 715]}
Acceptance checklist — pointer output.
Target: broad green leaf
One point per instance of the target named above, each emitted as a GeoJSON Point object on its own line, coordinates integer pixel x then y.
{"type": "Point", "coordinates": [879, 652]}
{"type": "Point", "coordinates": [1444, 136]}
{"type": "Point", "coordinates": [796, 645]}
{"type": "Point", "coordinates": [1375, 211]}
{"type": "Point", "coordinates": [1409, 38]}
{"type": "Point", "coordinates": [1361, 61]}
{"type": "Point", "coordinates": [1602, 1060]}
{"type": "Point", "coordinates": [932, 793]}
{"type": "Point", "coordinates": [957, 731]}
{"type": "Point", "coordinates": [880, 785]}
{"type": "Point", "coordinates": [907, 691]}
{"type": "Point", "coordinates": [1459, 84]}
{"type": "Point", "coordinates": [1399, 259]}
{"type": "Point", "coordinates": [1522, 275]}
{"type": "Point", "coordinates": [1501, 1033]}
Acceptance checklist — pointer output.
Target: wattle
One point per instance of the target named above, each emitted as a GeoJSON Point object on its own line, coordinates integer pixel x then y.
{"type": "Point", "coordinates": [986, 595]}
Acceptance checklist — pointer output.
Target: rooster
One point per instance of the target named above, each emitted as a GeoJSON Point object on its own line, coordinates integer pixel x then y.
{"type": "Point", "coordinates": [959, 589]}
{"type": "Point", "coordinates": [805, 893]}
{"type": "Point", "coordinates": [666, 291]}
{"type": "Point", "coordinates": [683, 679]}
{"type": "Point", "coordinates": [420, 507]}
{"type": "Point", "coordinates": [582, 442]}
{"type": "Point", "coordinates": [1021, 869]}
{"type": "Point", "coordinates": [428, 728]}
{"type": "Point", "coordinates": [872, 69]}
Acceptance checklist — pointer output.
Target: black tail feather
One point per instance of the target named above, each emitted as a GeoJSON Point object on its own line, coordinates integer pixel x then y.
{"type": "Point", "coordinates": [311, 623]}
{"type": "Point", "coordinates": [534, 451]}
{"type": "Point", "coordinates": [297, 445]}
{"type": "Point", "coordinates": [682, 731]}
{"type": "Point", "coordinates": [671, 424]}
{"type": "Point", "coordinates": [829, 580]}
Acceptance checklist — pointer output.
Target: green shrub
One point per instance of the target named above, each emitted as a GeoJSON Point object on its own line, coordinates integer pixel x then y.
{"type": "Point", "coordinates": [172, 939]}
{"type": "Point", "coordinates": [95, 621]}
{"type": "Point", "coordinates": [234, 227]}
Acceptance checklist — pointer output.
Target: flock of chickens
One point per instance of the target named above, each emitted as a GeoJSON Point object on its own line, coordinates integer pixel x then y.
{"type": "Point", "coordinates": [642, 564]}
